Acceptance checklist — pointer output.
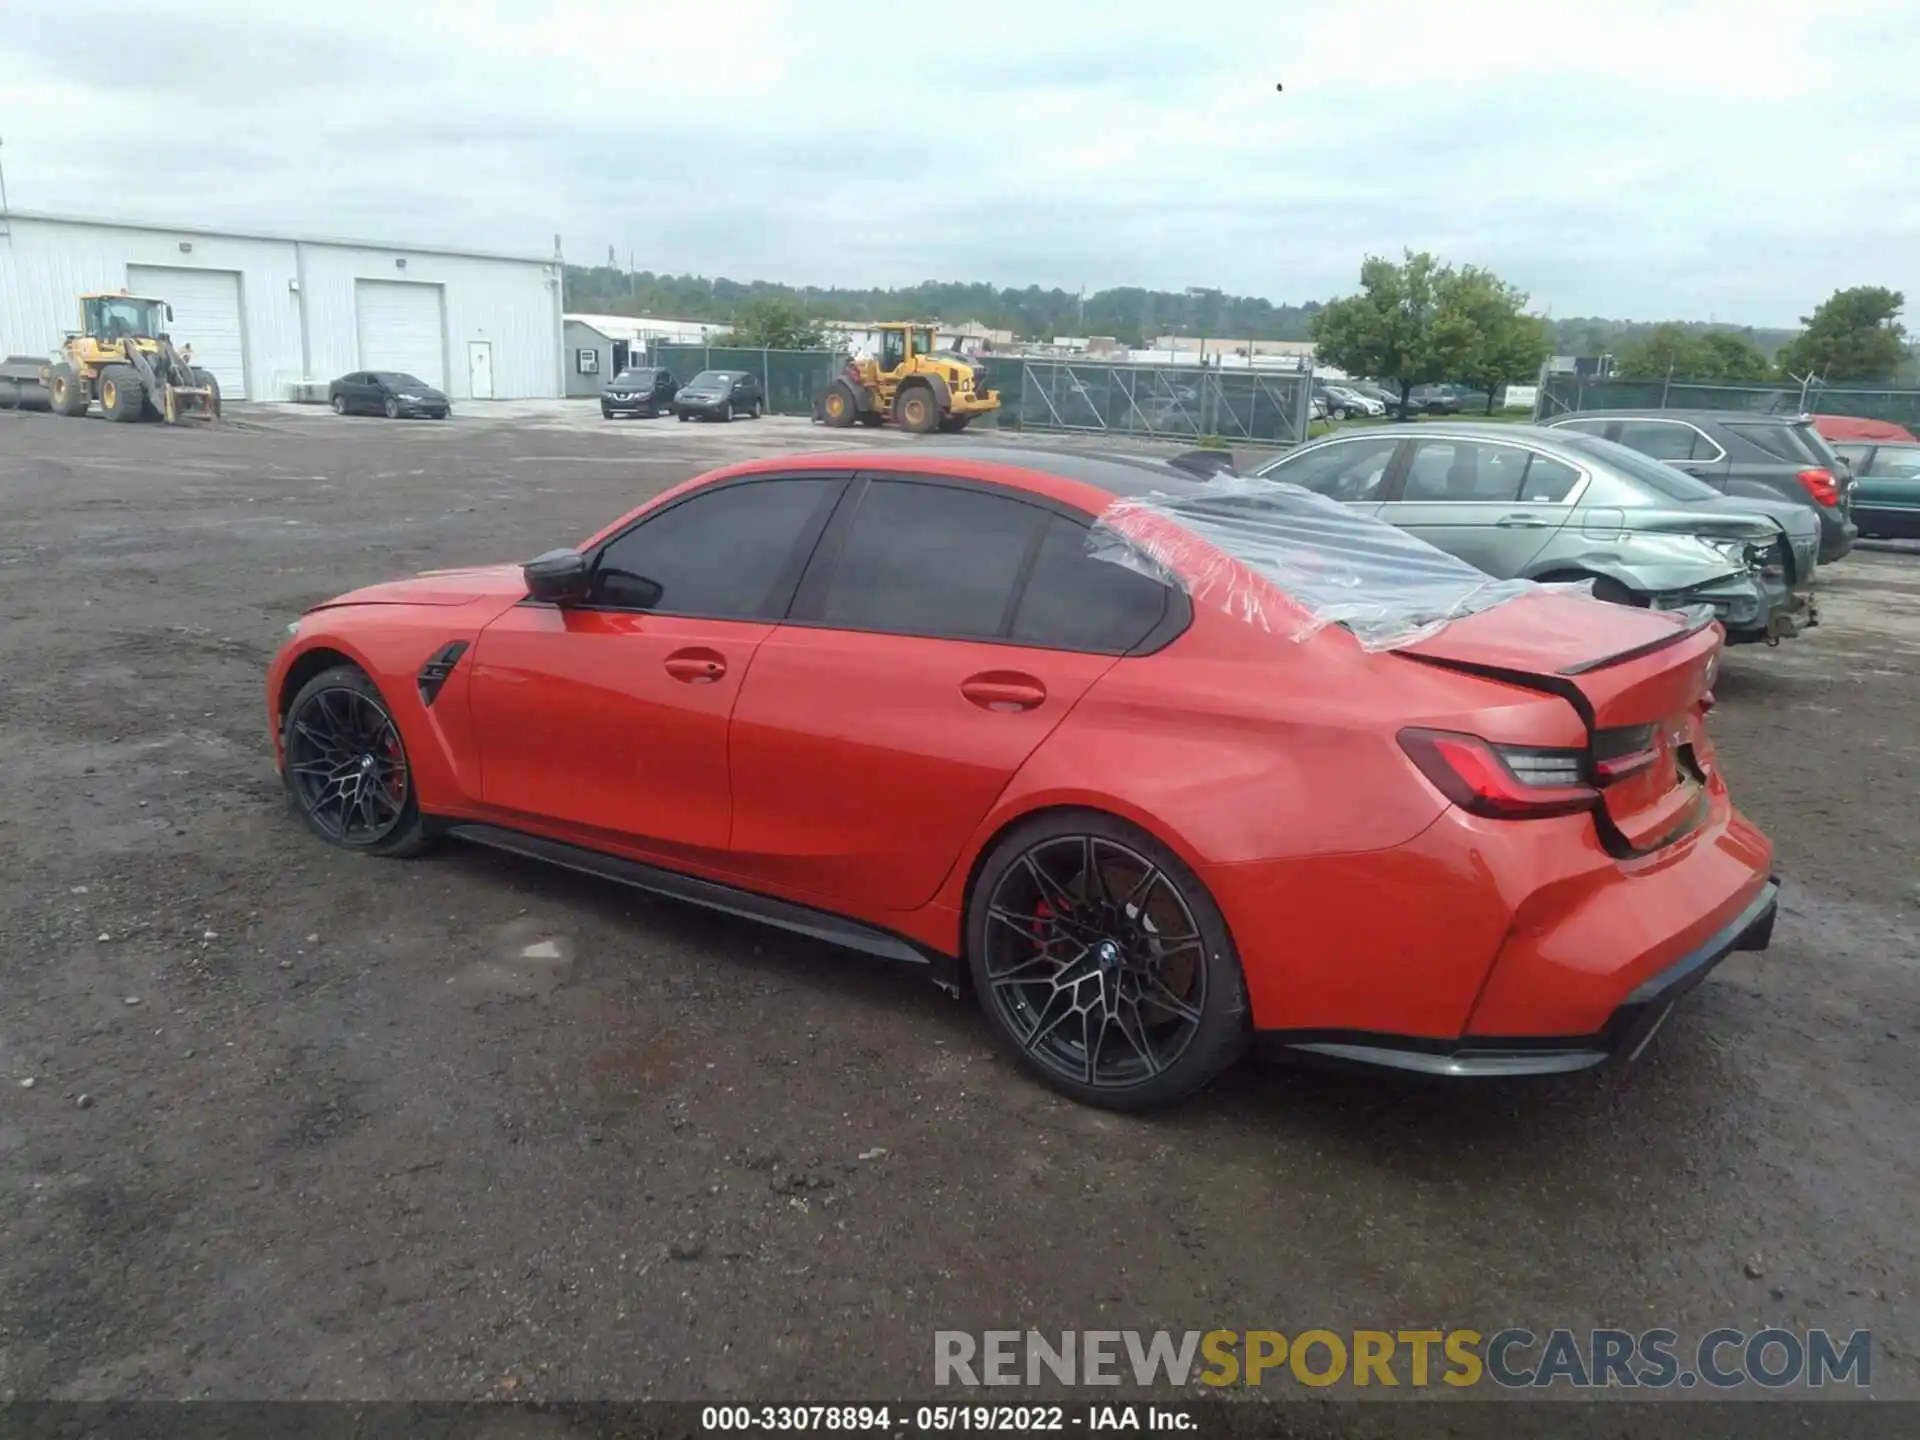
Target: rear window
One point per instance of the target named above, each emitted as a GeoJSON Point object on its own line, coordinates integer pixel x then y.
{"type": "Point", "coordinates": [1796, 444]}
{"type": "Point", "coordinates": [1661, 479]}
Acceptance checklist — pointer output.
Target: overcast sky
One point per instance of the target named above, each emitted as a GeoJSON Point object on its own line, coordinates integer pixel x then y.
{"type": "Point", "coordinates": [1736, 160]}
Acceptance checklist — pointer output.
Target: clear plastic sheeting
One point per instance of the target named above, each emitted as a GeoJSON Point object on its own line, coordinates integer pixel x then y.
{"type": "Point", "coordinates": [1293, 562]}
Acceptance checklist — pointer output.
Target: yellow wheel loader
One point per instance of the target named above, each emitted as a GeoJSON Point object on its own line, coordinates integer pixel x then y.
{"type": "Point", "coordinates": [122, 356]}
{"type": "Point", "coordinates": [910, 382]}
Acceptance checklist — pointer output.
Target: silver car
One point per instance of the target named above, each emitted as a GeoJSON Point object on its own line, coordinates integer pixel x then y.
{"type": "Point", "coordinates": [1519, 501]}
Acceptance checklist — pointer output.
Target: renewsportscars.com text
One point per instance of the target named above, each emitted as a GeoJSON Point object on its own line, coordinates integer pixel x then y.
{"type": "Point", "coordinates": [1513, 1358]}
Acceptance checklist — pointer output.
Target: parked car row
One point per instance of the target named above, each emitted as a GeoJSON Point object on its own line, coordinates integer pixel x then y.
{"type": "Point", "coordinates": [1526, 502]}
{"type": "Point", "coordinates": [646, 391]}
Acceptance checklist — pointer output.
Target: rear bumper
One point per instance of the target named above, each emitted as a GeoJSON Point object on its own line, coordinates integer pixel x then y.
{"type": "Point", "coordinates": [1624, 1035]}
{"type": "Point", "coordinates": [1837, 534]}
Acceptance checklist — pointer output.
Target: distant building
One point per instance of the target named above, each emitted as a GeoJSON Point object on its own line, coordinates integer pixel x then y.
{"type": "Point", "coordinates": [601, 346]}
{"type": "Point", "coordinates": [266, 312]}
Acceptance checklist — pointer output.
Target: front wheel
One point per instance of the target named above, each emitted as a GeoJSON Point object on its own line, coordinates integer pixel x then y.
{"type": "Point", "coordinates": [345, 766]}
{"type": "Point", "coordinates": [1340, 412]}
{"type": "Point", "coordinates": [339, 404]}
{"type": "Point", "coordinates": [393, 409]}
{"type": "Point", "coordinates": [917, 411]}
{"type": "Point", "coordinates": [1102, 963]}
{"type": "Point", "coordinates": [753, 411]}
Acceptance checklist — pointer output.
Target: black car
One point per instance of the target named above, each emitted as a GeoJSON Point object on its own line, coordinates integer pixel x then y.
{"type": "Point", "coordinates": [1446, 399]}
{"type": "Point", "coordinates": [392, 393]}
{"type": "Point", "coordinates": [1743, 453]}
{"type": "Point", "coordinates": [645, 391]}
{"type": "Point", "coordinates": [720, 395]}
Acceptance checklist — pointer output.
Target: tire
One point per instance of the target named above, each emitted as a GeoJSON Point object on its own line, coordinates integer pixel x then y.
{"type": "Point", "coordinates": [1340, 413]}
{"type": "Point", "coordinates": [206, 378]}
{"type": "Point", "coordinates": [725, 417]}
{"type": "Point", "coordinates": [954, 424]}
{"type": "Point", "coordinates": [606, 412]}
{"type": "Point", "coordinates": [753, 411]}
{"type": "Point", "coordinates": [916, 410]}
{"type": "Point", "coordinates": [123, 399]}
{"type": "Point", "coordinates": [339, 404]}
{"type": "Point", "coordinates": [67, 392]}
{"type": "Point", "coordinates": [680, 415]}
{"type": "Point", "coordinates": [393, 409]}
{"type": "Point", "coordinates": [840, 407]}
{"type": "Point", "coordinates": [1145, 1052]}
{"type": "Point", "coordinates": [339, 729]}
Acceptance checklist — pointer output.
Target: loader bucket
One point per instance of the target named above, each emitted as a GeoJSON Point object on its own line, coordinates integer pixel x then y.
{"type": "Point", "coordinates": [188, 405]}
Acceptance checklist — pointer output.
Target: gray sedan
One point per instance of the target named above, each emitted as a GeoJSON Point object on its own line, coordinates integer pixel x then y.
{"type": "Point", "coordinates": [1518, 501]}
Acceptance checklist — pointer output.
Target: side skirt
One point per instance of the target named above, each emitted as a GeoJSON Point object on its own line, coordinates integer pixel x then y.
{"type": "Point", "coordinates": [800, 919]}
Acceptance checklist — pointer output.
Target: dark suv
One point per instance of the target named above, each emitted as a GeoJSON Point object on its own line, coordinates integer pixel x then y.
{"type": "Point", "coordinates": [638, 392]}
{"type": "Point", "coordinates": [1742, 453]}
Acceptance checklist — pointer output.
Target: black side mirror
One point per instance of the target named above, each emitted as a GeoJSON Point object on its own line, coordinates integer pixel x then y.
{"type": "Point", "coordinates": [559, 577]}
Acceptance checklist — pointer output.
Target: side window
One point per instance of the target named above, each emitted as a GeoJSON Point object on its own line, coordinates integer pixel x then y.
{"type": "Point", "coordinates": [1464, 471]}
{"type": "Point", "coordinates": [930, 560]}
{"type": "Point", "coordinates": [1352, 470]}
{"type": "Point", "coordinates": [1662, 439]}
{"type": "Point", "coordinates": [1586, 427]}
{"type": "Point", "coordinates": [1548, 481]}
{"type": "Point", "coordinates": [1075, 602]}
{"type": "Point", "coordinates": [721, 555]}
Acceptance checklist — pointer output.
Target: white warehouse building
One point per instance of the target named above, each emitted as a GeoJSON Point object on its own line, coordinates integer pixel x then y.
{"type": "Point", "coordinates": [266, 313]}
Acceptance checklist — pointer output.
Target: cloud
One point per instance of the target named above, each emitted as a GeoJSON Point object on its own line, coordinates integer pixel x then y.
{"type": "Point", "coordinates": [1639, 159]}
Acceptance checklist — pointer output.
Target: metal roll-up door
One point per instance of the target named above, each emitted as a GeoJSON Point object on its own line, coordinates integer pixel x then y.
{"type": "Point", "coordinates": [206, 315]}
{"type": "Point", "coordinates": [401, 328]}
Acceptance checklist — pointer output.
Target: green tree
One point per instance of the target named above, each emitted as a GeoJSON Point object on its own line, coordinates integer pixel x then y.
{"type": "Point", "coordinates": [1732, 356]}
{"type": "Point", "coordinates": [1853, 335]}
{"type": "Point", "coordinates": [1504, 343]}
{"type": "Point", "coordinates": [772, 323]}
{"type": "Point", "coordinates": [1396, 328]}
{"type": "Point", "coordinates": [1669, 348]}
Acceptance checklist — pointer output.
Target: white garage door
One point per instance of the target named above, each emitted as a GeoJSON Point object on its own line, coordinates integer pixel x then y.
{"type": "Point", "coordinates": [400, 329]}
{"type": "Point", "coordinates": [206, 315]}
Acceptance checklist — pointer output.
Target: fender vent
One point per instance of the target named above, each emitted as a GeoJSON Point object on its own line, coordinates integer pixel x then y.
{"type": "Point", "coordinates": [434, 673]}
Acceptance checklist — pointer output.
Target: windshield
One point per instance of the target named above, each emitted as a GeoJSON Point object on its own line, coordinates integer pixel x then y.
{"type": "Point", "coordinates": [1330, 565]}
{"type": "Point", "coordinates": [114, 317]}
{"type": "Point", "coordinates": [634, 377]}
{"type": "Point", "coordinates": [401, 379]}
{"type": "Point", "coordinates": [710, 379]}
{"type": "Point", "coordinates": [1662, 479]}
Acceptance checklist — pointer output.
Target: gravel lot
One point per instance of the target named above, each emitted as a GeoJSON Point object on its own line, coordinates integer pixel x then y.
{"type": "Point", "coordinates": [302, 1125]}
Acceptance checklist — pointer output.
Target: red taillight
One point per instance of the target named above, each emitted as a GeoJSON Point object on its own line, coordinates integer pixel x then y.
{"type": "Point", "coordinates": [1510, 782]}
{"type": "Point", "coordinates": [1820, 484]}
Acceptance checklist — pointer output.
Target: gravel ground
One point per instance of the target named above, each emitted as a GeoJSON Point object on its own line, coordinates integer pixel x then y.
{"type": "Point", "coordinates": [304, 1125]}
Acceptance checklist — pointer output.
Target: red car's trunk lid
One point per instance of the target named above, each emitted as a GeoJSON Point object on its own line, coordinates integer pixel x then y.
{"type": "Point", "coordinates": [1636, 677]}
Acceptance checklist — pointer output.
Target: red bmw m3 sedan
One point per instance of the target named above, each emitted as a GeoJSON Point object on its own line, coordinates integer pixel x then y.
{"type": "Point", "coordinates": [1082, 735]}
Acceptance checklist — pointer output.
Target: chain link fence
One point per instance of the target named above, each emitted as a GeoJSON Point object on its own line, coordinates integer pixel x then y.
{"type": "Point", "coordinates": [791, 378]}
{"type": "Point", "coordinates": [1153, 401]}
{"type": "Point", "coordinates": [1564, 394]}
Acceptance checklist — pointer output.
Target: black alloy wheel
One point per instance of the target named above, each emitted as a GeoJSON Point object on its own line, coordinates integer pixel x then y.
{"type": "Point", "coordinates": [345, 765]}
{"type": "Point", "coordinates": [1103, 964]}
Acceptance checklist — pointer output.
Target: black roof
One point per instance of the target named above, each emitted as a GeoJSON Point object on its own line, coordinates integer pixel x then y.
{"type": "Point", "coordinates": [1121, 474]}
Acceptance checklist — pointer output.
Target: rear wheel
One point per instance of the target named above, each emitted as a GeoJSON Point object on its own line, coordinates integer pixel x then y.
{"type": "Point", "coordinates": [1102, 963]}
{"type": "Point", "coordinates": [753, 410]}
{"type": "Point", "coordinates": [916, 411]}
{"type": "Point", "coordinates": [339, 404]}
{"type": "Point", "coordinates": [345, 766]}
{"type": "Point", "coordinates": [838, 408]}
{"type": "Point", "coordinates": [67, 392]}
{"type": "Point", "coordinates": [123, 399]}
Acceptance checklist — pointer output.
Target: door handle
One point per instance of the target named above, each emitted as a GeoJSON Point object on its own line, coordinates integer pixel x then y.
{"type": "Point", "coordinates": [1004, 690]}
{"type": "Point", "coordinates": [698, 666]}
{"type": "Point", "coordinates": [1520, 522]}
